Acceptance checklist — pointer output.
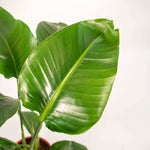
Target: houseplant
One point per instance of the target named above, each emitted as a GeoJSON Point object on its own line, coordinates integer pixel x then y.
{"type": "Point", "coordinates": [64, 76]}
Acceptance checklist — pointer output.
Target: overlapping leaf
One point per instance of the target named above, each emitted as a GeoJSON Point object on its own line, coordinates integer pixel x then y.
{"type": "Point", "coordinates": [30, 121]}
{"type": "Point", "coordinates": [8, 107]}
{"type": "Point", "coordinates": [69, 76]}
{"type": "Point", "coordinates": [16, 43]}
{"type": "Point", "coordinates": [67, 145]}
{"type": "Point", "coordinates": [6, 144]}
{"type": "Point", "coordinates": [45, 29]}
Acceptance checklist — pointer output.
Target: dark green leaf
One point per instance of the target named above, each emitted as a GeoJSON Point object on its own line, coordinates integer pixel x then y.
{"type": "Point", "coordinates": [67, 145]}
{"type": "Point", "coordinates": [68, 77]}
{"type": "Point", "coordinates": [45, 29]}
{"type": "Point", "coordinates": [16, 43]}
{"type": "Point", "coordinates": [31, 121]}
{"type": "Point", "coordinates": [6, 144]}
{"type": "Point", "coordinates": [8, 107]}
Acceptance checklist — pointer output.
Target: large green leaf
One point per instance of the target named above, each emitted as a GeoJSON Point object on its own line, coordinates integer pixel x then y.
{"type": "Point", "coordinates": [67, 145]}
{"type": "Point", "coordinates": [16, 43]}
{"type": "Point", "coordinates": [69, 76]}
{"type": "Point", "coordinates": [8, 107]}
{"type": "Point", "coordinates": [30, 121]}
{"type": "Point", "coordinates": [45, 29]}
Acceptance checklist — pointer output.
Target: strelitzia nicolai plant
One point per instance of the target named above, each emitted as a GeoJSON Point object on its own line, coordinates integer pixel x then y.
{"type": "Point", "coordinates": [64, 76]}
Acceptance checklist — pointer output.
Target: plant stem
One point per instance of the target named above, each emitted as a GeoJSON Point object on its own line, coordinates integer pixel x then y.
{"type": "Point", "coordinates": [36, 145]}
{"type": "Point", "coordinates": [22, 130]}
{"type": "Point", "coordinates": [35, 136]}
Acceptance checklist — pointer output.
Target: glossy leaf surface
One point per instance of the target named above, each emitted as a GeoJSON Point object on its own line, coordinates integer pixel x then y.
{"type": "Point", "coordinates": [67, 145]}
{"type": "Point", "coordinates": [45, 29]}
{"type": "Point", "coordinates": [8, 107]}
{"type": "Point", "coordinates": [31, 121]}
{"type": "Point", "coordinates": [6, 144]}
{"type": "Point", "coordinates": [16, 43]}
{"type": "Point", "coordinates": [68, 78]}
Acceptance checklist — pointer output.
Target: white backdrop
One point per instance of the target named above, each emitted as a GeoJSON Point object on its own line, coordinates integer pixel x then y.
{"type": "Point", "coordinates": [126, 120]}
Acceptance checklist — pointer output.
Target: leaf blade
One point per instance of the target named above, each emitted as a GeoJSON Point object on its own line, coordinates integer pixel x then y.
{"type": "Point", "coordinates": [45, 29]}
{"type": "Point", "coordinates": [43, 115]}
{"type": "Point", "coordinates": [16, 43]}
{"type": "Point", "coordinates": [7, 144]}
{"type": "Point", "coordinates": [30, 121]}
{"type": "Point", "coordinates": [67, 145]}
{"type": "Point", "coordinates": [93, 46]}
{"type": "Point", "coordinates": [8, 107]}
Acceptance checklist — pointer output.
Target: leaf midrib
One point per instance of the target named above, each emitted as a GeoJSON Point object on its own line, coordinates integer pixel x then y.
{"type": "Point", "coordinates": [11, 54]}
{"type": "Point", "coordinates": [61, 85]}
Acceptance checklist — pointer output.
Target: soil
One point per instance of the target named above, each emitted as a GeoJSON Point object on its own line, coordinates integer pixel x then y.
{"type": "Point", "coordinates": [44, 145]}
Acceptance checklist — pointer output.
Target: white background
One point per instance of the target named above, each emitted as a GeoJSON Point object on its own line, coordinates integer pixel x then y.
{"type": "Point", "coordinates": [126, 119]}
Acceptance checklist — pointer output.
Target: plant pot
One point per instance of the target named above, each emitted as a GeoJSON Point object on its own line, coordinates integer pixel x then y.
{"type": "Point", "coordinates": [43, 145]}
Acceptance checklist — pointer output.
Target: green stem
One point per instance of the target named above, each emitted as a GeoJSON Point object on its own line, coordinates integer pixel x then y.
{"type": "Point", "coordinates": [22, 133]}
{"type": "Point", "coordinates": [36, 145]}
{"type": "Point", "coordinates": [22, 130]}
{"type": "Point", "coordinates": [35, 136]}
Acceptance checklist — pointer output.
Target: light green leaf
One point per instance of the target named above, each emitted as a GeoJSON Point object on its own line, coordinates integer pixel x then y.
{"type": "Point", "coordinates": [45, 29]}
{"type": "Point", "coordinates": [67, 145]}
{"type": "Point", "coordinates": [31, 121]}
{"type": "Point", "coordinates": [6, 144]}
{"type": "Point", "coordinates": [8, 107]}
{"type": "Point", "coordinates": [16, 43]}
{"type": "Point", "coordinates": [69, 76]}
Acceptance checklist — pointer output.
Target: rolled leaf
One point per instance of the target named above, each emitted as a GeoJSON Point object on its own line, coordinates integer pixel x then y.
{"type": "Point", "coordinates": [30, 121]}
{"type": "Point", "coordinates": [67, 145]}
{"type": "Point", "coordinates": [68, 77]}
{"type": "Point", "coordinates": [8, 107]}
{"type": "Point", "coordinates": [16, 43]}
{"type": "Point", "coordinates": [45, 29]}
